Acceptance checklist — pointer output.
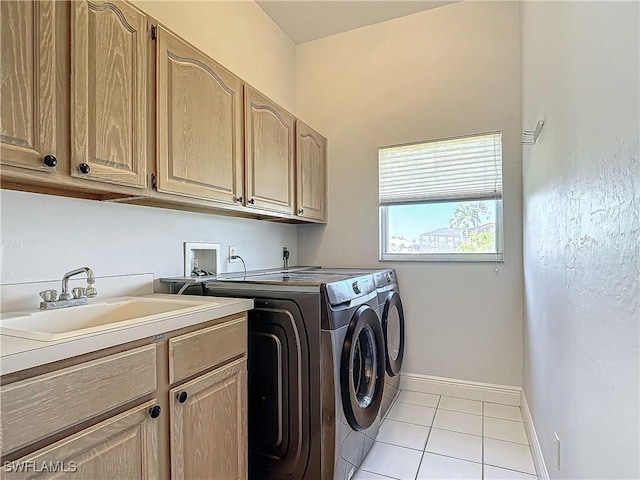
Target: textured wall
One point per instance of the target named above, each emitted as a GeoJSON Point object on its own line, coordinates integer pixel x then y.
{"type": "Point", "coordinates": [580, 63]}
{"type": "Point", "coordinates": [449, 71]}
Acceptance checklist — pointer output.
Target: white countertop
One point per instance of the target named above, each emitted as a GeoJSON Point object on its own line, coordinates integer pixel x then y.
{"type": "Point", "coordinates": [20, 353]}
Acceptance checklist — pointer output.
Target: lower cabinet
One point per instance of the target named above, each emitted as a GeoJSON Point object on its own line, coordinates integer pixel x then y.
{"type": "Point", "coordinates": [125, 446]}
{"type": "Point", "coordinates": [117, 414]}
{"type": "Point", "coordinates": [208, 427]}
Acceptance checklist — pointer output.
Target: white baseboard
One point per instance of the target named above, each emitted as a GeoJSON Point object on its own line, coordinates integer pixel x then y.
{"type": "Point", "coordinates": [536, 451]}
{"type": "Point", "coordinates": [452, 387]}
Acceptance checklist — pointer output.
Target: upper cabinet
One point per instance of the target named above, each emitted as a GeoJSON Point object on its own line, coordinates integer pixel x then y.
{"type": "Point", "coordinates": [30, 132]}
{"type": "Point", "coordinates": [95, 98]}
{"type": "Point", "coordinates": [199, 123]}
{"type": "Point", "coordinates": [109, 92]}
{"type": "Point", "coordinates": [311, 173]}
{"type": "Point", "coordinates": [269, 153]}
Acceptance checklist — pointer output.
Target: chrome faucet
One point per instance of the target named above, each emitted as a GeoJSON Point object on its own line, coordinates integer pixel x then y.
{"type": "Point", "coordinates": [78, 296]}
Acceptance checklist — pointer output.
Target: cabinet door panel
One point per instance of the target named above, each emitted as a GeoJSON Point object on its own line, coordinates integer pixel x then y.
{"type": "Point", "coordinates": [109, 92]}
{"type": "Point", "coordinates": [311, 163]}
{"type": "Point", "coordinates": [125, 446]}
{"type": "Point", "coordinates": [208, 430]}
{"type": "Point", "coordinates": [199, 123]}
{"type": "Point", "coordinates": [29, 107]}
{"type": "Point", "coordinates": [269, 138]}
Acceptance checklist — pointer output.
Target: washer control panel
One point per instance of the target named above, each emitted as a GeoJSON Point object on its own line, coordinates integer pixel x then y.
{"type": "Point", "coordinates": [385, 277]}
{"type": "Point", "coordinates": [347, 290]}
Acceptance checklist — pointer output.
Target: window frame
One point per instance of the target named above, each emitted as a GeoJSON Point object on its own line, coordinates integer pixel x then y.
{"type": "Point", "coordinates": [383, 230]}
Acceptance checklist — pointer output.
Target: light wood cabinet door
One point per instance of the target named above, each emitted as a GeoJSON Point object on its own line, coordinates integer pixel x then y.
{"type": "Point", "coordinates": [124, 446]}
{"type": "Point", "coordinates": [30, 107]}
{"type": "Point", "coordinates": [269, 144]}
{"type": "Point", "coordinates": [209, 429]}
{"type": "Point", "coordinates": [311, 173]}
{"type": "Point", "coordinates": [109, 92]}
{"type": "Point", "coordinates": [199, 124]}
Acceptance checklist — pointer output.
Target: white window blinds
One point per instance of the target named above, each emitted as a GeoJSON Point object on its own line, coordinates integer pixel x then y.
{"type": "Point", "coordinates": [452, 169]}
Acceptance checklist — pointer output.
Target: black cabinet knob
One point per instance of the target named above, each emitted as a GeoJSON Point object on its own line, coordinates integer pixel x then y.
{"type": "Point", "coordinates": [154, 412]}
{"type": "Point", "coordinates": [301, 211]}
{"type": "Point", "coordinates": [251, 201]}
{"type": "Point", "coordinates": [182, 397]}
{"type": "Point", "coordinates": [84, 168]}
{"type": "Point", "coordinates": [50, 160]}
{"type": "Point", "coordinates": [239, 199]}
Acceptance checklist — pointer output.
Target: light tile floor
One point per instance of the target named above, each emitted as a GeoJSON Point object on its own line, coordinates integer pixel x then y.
{"type": "Point", "coordinates": [435, 437]}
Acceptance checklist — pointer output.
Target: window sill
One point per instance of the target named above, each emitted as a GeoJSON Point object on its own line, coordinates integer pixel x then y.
{"type": "Point", "coordinates": [443, 257]}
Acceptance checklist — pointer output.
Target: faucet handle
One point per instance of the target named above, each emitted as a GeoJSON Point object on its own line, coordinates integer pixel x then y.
{"type": "Point", "coordinates": [49, 295]}
{"type": "Point", "coordinates": [90, 291]}
{"type": "Point", "coordinates": [78, 292]}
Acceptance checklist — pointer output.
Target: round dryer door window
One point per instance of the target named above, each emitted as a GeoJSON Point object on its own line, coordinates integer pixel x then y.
{"type": "Point", "coordinates": [362, 369]}
{"type": "Point", "coordinates": [393, 326]}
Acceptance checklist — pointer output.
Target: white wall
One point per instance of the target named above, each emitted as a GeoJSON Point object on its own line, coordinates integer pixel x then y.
{"type": "Point", "coordinates": [449, 71]}
{"type": "Point", "coordinates": [580, 66]}
{"type": "Point", "coordinates": [240, 36]}
{"type": "Point", "coordinates": [45, 236]}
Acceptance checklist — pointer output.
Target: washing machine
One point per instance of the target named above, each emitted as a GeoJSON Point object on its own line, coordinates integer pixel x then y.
{"type": "Point", "coordinates": [354, 339]}
{"type": "Point", "coordinates": [391, 315]}
{"type": "Point", "coordinates": [316, 371]}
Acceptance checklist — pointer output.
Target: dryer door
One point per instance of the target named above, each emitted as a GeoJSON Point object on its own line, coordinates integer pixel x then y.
{"type": "Point", "coordinates": [362, 369]}
{"type": "Point", "coordinates": [393, 327]}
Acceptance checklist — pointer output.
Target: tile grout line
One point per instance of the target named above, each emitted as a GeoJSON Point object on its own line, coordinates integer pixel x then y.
{"type": "Point", "coordinates": [424, 449]}
{"type": "Point", "coordinates": [461, 433]}
{"type": "Point", "coordinates": [460, 459]}
{"type": "Point", "coordinates": [508, 441]}
{"type": "Point", "coordinates": [510, 469]}
{"type": "Point", "coordinates": [402, 421]}
{"type": "Point", "coordinates": [505, 419]}
{"type": "Point", "coordinates": [431, 428]}
{"type": "Point", "coordinates": [460, 411]}
{"type": "Point", "coordinates": [483, 440]}
{"type": "Point", "coordinates": [375, 473]}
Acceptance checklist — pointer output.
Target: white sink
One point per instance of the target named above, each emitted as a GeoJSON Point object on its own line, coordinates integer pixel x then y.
{"type": "Point", "coordinates": [51, 325]}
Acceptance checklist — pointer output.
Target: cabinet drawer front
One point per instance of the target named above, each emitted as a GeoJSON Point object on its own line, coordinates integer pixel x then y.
{"type": "Point", "coordinates": [196, 351]}
{"type": "Point", "coordinates": [125, 446]}
{"type": "Point", "coordinates": [35, 408]}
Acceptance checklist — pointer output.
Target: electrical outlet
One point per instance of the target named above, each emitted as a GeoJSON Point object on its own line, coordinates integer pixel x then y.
{"type": "Point", "coordinates": [556, 449]}
{"type": "Point", "coordinates": [233, 251]}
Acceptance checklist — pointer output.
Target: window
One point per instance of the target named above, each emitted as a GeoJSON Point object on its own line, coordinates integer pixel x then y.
{"type": "Point", "coordinates": [442, 199]}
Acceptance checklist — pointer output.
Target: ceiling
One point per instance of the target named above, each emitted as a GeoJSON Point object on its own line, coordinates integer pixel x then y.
{"type": "Point", "coordinates": [306, 20]}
